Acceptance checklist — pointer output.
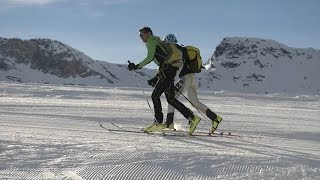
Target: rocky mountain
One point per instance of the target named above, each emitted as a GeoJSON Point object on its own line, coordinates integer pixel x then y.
{"type": "Point", "coordinates": [49, 61]}
{"type": "Point", "coordinates": [262, 66]}
{"type": "Point", "coordinates": [241, 64]}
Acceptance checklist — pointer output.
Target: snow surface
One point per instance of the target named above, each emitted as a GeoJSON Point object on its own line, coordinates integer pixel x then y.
{"type": "Point", "coordinates": [52, 132]}
{"type": "Point", "coordinates": [118, 75]}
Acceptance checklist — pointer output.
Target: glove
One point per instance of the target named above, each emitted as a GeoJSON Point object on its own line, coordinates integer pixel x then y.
{"type": "Point", "coordinates": [132, 66]}
{"type": "Point", "coordinates": [152, 82]}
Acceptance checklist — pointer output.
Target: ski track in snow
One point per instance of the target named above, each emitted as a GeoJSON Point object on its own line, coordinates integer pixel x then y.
{"type": "Point", "coordinates": [52, 132]}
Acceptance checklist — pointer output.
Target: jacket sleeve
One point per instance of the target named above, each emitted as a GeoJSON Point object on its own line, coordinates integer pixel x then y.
{"type": "Point", "coordinates": [151, 47]}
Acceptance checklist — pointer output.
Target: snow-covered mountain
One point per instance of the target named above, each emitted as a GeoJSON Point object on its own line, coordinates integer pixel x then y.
{"type": "Point", "coordinates": [52, 62]}
{"type": "Point", "coordinates": [262, 66]}
{"type": "Point", "coordinates": [242, 64]}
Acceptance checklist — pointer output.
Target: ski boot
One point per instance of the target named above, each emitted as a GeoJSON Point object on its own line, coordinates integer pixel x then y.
{"type": "Point", "coordinates": [215, 124]}
{"type": "Point", "coordinates": [194, 121]}
{"type": "Point", "coordinates": [153, 127]}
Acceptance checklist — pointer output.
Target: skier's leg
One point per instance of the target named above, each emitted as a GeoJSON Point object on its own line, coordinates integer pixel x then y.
{"type": "Point", "coordinates": [187, 113]}
{"type": "Point", "coordinates": [180, 86]}
{"type": "Point", "coordinates": [215, 119]}
{"type": "Point", "coordinates": [158, 90]}
{"type": "Point", "coordinates": [170, 95]}
{"type": "Point", "coordinates": [193, 97]}
{"type": "Point", "coordinates": [192, 93]}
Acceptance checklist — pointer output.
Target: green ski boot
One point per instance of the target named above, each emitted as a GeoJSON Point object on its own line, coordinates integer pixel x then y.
{"type": "Point", "coordinates": [194, 121]}
{"type": "Point", "coordinates": [215, 124]}
{"type": "Point", "coordinates": [153, 127]}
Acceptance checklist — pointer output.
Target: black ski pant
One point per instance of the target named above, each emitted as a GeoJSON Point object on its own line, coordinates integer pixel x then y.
{"type": "Point", "coordinates": [166, 85]}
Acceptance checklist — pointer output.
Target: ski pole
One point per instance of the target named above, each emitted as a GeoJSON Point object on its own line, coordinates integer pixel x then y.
{"type": "Point", "coordinates": [144, 94]}
{"type": "Point", "coordinates": [202, 114]}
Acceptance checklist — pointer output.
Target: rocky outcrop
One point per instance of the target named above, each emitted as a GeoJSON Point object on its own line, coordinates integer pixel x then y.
{"type": "Point", "coordinates": [47, 56]}
{"type": "Point", "coordinates": [50, 57]}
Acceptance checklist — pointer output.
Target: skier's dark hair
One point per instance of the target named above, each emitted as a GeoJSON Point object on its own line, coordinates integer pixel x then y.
{"type": "Point", "coordinates": [146, 30]}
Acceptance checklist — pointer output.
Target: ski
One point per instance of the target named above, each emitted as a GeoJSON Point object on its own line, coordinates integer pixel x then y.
{"type": "Point", "coordinates": [167, 132]}
{"type": "Point", "coordinates": [203, 133]}
{"type": "Point", "coordinates": [184, 131]}
{"type": "Point", "coordinates": [218, 133]}
{"type": "Point", "coordinates": [122, 130]}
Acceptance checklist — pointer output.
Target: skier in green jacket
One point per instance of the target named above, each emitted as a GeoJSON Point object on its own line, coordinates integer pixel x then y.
{"type": "Point", "coordinates": [169, 59]}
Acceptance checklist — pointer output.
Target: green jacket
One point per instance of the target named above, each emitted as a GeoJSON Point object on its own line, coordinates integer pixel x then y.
{"type": "Point", "coordinates": [151, 45]}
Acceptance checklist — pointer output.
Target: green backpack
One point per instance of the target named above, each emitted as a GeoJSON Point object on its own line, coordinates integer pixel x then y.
{"type": "Point", "coordinates": [193, 59]}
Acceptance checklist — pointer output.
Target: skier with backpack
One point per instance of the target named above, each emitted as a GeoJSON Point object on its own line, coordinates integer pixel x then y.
{"type": "Point", "coordinates": [169, 58]}
{"type": "Point", "coordinates": [192, 64]}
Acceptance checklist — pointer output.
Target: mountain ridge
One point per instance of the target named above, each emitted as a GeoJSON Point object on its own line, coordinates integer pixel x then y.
{"type": "Point", "coordinates": [243, 64]}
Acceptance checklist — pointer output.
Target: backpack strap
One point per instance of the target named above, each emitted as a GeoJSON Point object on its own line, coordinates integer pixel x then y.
{"type": "Point", "coordinates": [166, 52]}
{"type": "Point", "coordinates": [185, 55]}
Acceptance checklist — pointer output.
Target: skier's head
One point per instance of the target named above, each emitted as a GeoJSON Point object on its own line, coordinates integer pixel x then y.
{"type": "Point", "coordinates": [170, 38]}
{"type": "Point", "coordinates": [145, 33]}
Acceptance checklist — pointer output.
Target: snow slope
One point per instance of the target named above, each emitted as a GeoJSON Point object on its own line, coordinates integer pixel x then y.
{"type": "Point", "coordinates": [52, 132]}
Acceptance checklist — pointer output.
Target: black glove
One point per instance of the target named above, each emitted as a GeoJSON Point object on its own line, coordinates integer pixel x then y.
{"type": "Point", "coordinates": [132, 66]}
{"type": "Point", "coordinates": [152, 82]}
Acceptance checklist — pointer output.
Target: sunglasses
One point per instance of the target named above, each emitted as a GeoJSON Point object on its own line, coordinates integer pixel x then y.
{"type": "Point", "coordinates": [141, 34]}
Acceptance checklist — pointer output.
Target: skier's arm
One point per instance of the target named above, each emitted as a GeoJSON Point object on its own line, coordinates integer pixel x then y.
{"type": "Point", "coordinates": [151, 47]}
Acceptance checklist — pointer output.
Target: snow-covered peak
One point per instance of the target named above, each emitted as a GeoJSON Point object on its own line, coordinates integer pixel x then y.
{"type": "Point", "coordinates": [50, 61]}
{"type": "Point", "coordinates": [251, 40]}
{"type": "Point", "coordinates": [263, 66]}
{"type": "Point", "coordinates": [235, 47]}
{"type": "Point", "coordinates": [55, 47]}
